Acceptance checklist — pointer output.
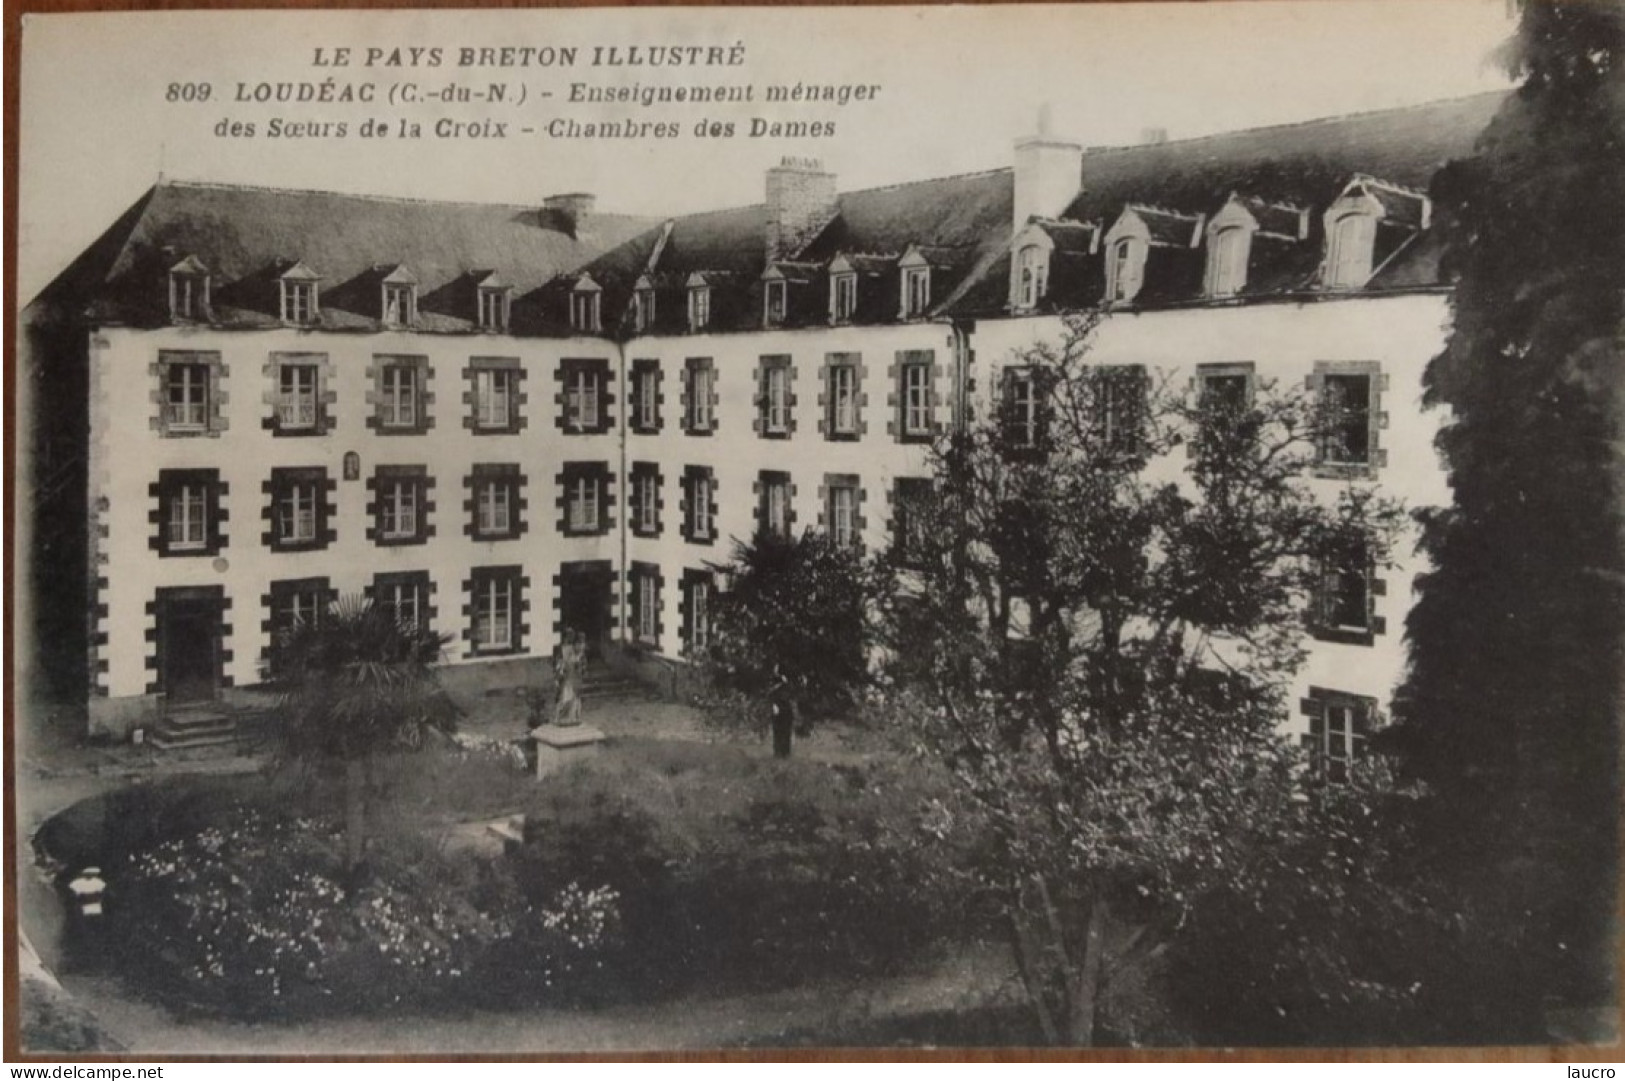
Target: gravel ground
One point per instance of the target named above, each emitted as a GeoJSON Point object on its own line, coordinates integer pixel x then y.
{"type": "Point", "coordinates": [692, 1023]}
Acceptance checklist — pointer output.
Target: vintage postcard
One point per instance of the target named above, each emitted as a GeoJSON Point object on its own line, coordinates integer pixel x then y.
{"type": "Point", "coordinates": [655, 529]}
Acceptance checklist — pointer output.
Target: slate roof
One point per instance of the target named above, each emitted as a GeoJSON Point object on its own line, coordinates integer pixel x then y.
{"type": "Point", "coordinates": [247, 236]}
{"type": "Point", "coordinates": [954, 222]}
{"type": "Point", "coordinates": [961, 225]}
{"type": "Point", "coordinates": [1300, 165]}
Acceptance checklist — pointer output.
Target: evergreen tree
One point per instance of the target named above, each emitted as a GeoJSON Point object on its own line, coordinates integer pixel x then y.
{"type": "Point", "coordinates": [1511, 712]}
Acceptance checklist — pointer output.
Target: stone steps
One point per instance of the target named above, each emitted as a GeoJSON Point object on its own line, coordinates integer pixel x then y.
{"type": "Point", "coordinates": [603, 685]}
{"type": "Point", "coordinates": [191, 727]}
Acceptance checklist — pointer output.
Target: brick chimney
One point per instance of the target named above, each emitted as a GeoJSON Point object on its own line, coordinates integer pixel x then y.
{"type": "Point", "coordinates": [800, 202]}
{"type": "Point", "coordinates": [1049, 172]}
{"type": "Point", "coordinates": [568, 213]}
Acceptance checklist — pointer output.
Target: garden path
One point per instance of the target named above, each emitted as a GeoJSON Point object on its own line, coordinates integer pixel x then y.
{"type": "Point", "coordinates": [690, 1023]}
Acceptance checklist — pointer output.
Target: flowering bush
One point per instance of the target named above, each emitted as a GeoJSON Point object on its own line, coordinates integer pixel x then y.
{"type": "Point", "coordinates": [737, 870]}
{"type": "Point", "coordinates": [254, 919]}
{"type": "Point", "coordinates": [472, 745]}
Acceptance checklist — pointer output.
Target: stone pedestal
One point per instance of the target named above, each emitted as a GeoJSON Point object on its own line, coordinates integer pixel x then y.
{"type": "Point", "coordinates": [559, 745]}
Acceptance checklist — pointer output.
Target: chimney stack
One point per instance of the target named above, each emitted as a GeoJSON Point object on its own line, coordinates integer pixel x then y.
{"type": "Point", "coordinates": [1153, 136]}
{"type": "Point", "coordinates": [800, 203]}
{"type": "Point", "coordinates": [1049, 172]}
{"type": "Point", "coordinates": [568, 213]}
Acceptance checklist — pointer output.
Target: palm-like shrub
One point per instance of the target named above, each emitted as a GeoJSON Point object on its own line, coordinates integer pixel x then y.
{"type": "Point", "coordinates": [354, 682]}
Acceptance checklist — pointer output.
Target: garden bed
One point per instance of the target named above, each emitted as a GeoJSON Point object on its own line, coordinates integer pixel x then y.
{"type": "Point", "coordinates": [657, 868]}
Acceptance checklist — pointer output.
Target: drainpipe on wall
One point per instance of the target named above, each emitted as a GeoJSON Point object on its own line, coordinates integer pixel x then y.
{"type": "Point", "coordinates": [624, 583]}
{"type": "Point", "coordinates": [959, 332]}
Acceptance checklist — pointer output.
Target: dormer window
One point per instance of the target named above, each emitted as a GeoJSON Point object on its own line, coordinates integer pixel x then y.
{"type": "Point", "coordinates": [299, 297]}
{"type": "Point", "coordinates": [400, 298]}
{"type": "Point", "coordinates": [699, 307]}
{"type": "Point", "coordinates": [299, 302]}
{"type": "Point", "coordinates": [493, 307]}
{"type": "Point", "coordinates": [643, 306]}
{"type": "Point", "coordinates": [1350, 244]}
{"type": "Point", "coordinates": [775, 302]}
{"type": "Point", "coordinates": [914, 284]}
{"type": "Point", "coordinates": [916, 291]}
{"type": "Point", "coordinates": [188, 291]}
{"type": "Point", "coordinates": [1032, 276]}
{"type": "Point", "coordinates": [1227, 254]}
{"type": "Point", "coordinates": [1125, 269]}
{"type": "Point", "coordinates": [585, 306]}
{"type": "Point", "coordinates": [1367, 224]}
{"type": "Point", "coordinates": [843, 296]}
{"type": "Point", "coordinates": [400, 305]}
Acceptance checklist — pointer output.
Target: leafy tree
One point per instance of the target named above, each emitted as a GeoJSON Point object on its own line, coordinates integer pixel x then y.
{"type": "Point", "coordinates": [354, 682]}
{"type": "Point", "coordinates": [1098, 635]}
{"type": "Point", "coordinates": [1511, 713]}
{"type": "Point", "coordinates": [790, 639]}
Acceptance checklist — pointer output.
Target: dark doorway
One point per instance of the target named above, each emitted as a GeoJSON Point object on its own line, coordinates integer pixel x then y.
{"type": "Point", "coordinates": [191, 649]}
{"type": "Point", "coordinates": [585, 603]}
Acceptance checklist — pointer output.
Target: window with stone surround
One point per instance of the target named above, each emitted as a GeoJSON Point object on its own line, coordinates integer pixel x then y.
{"type": "Point", "coordinates": [495, 505]}
{"type": "Point", "coordinates": [401, 395]}
{"type": "Point", "coordinates": [399, 505]}
{"type": "Point", "coordinates": [842, 518]}
{"type": "Point", "coordinates": [1122, 394]}
{"type": "Point", "coordinates": [189, 512]}
{"type": "Point", "coordinates": [699, 504]}
{"type": "Point", "coordinates": [698, 588]}
{"type": "Point", "coordinates": [843, 396]}
{"type": "Point", "coordinates": [584, 398]}
{"type": "Point", "coordinates": [775, 403]}
{"type": "Point", "coordinates": [190, 395]}
{"type": "Point", "coordinates": [494, 396]}
{"type": "Point", "coordinates": [301, 397]}
{"type": "Point", "coordinates": [914, 398]}
{"type": "Point", "coordinates": [1344, 604]}
{"type": "Point", "coordinates": [1350, 418]}
{"type": "Point", "coordinates": [646, 585]}
{"type": "Point", "coordinates": [647, 397]}
{"type": "Point", "coordinates": [292, 603]}
{"type": "Point", "coordinates": [910, 518]}
{"type": "Point", "coordinates": [495, 610]}
{"type": "Point", "coordinates": [1339, 725]}
{"type": "Point", "coordinates": [1022, 409]}
{"type": "Point", "coordinates": [775, 507]}
{"type": "Point", "coordinates": [584, 499]}
{"type": "Point", "coordinates": [406, 595]}
{"type": "Point", "coordinates": [699, 396]}
{"type": "Point", "coordinates": [646, 501]}
{"type": "Point", "coordinates": [299, 511]}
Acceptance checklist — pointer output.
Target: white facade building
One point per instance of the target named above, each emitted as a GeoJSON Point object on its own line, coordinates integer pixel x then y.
{"type": "Point", "coordinates": [514, 421]}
